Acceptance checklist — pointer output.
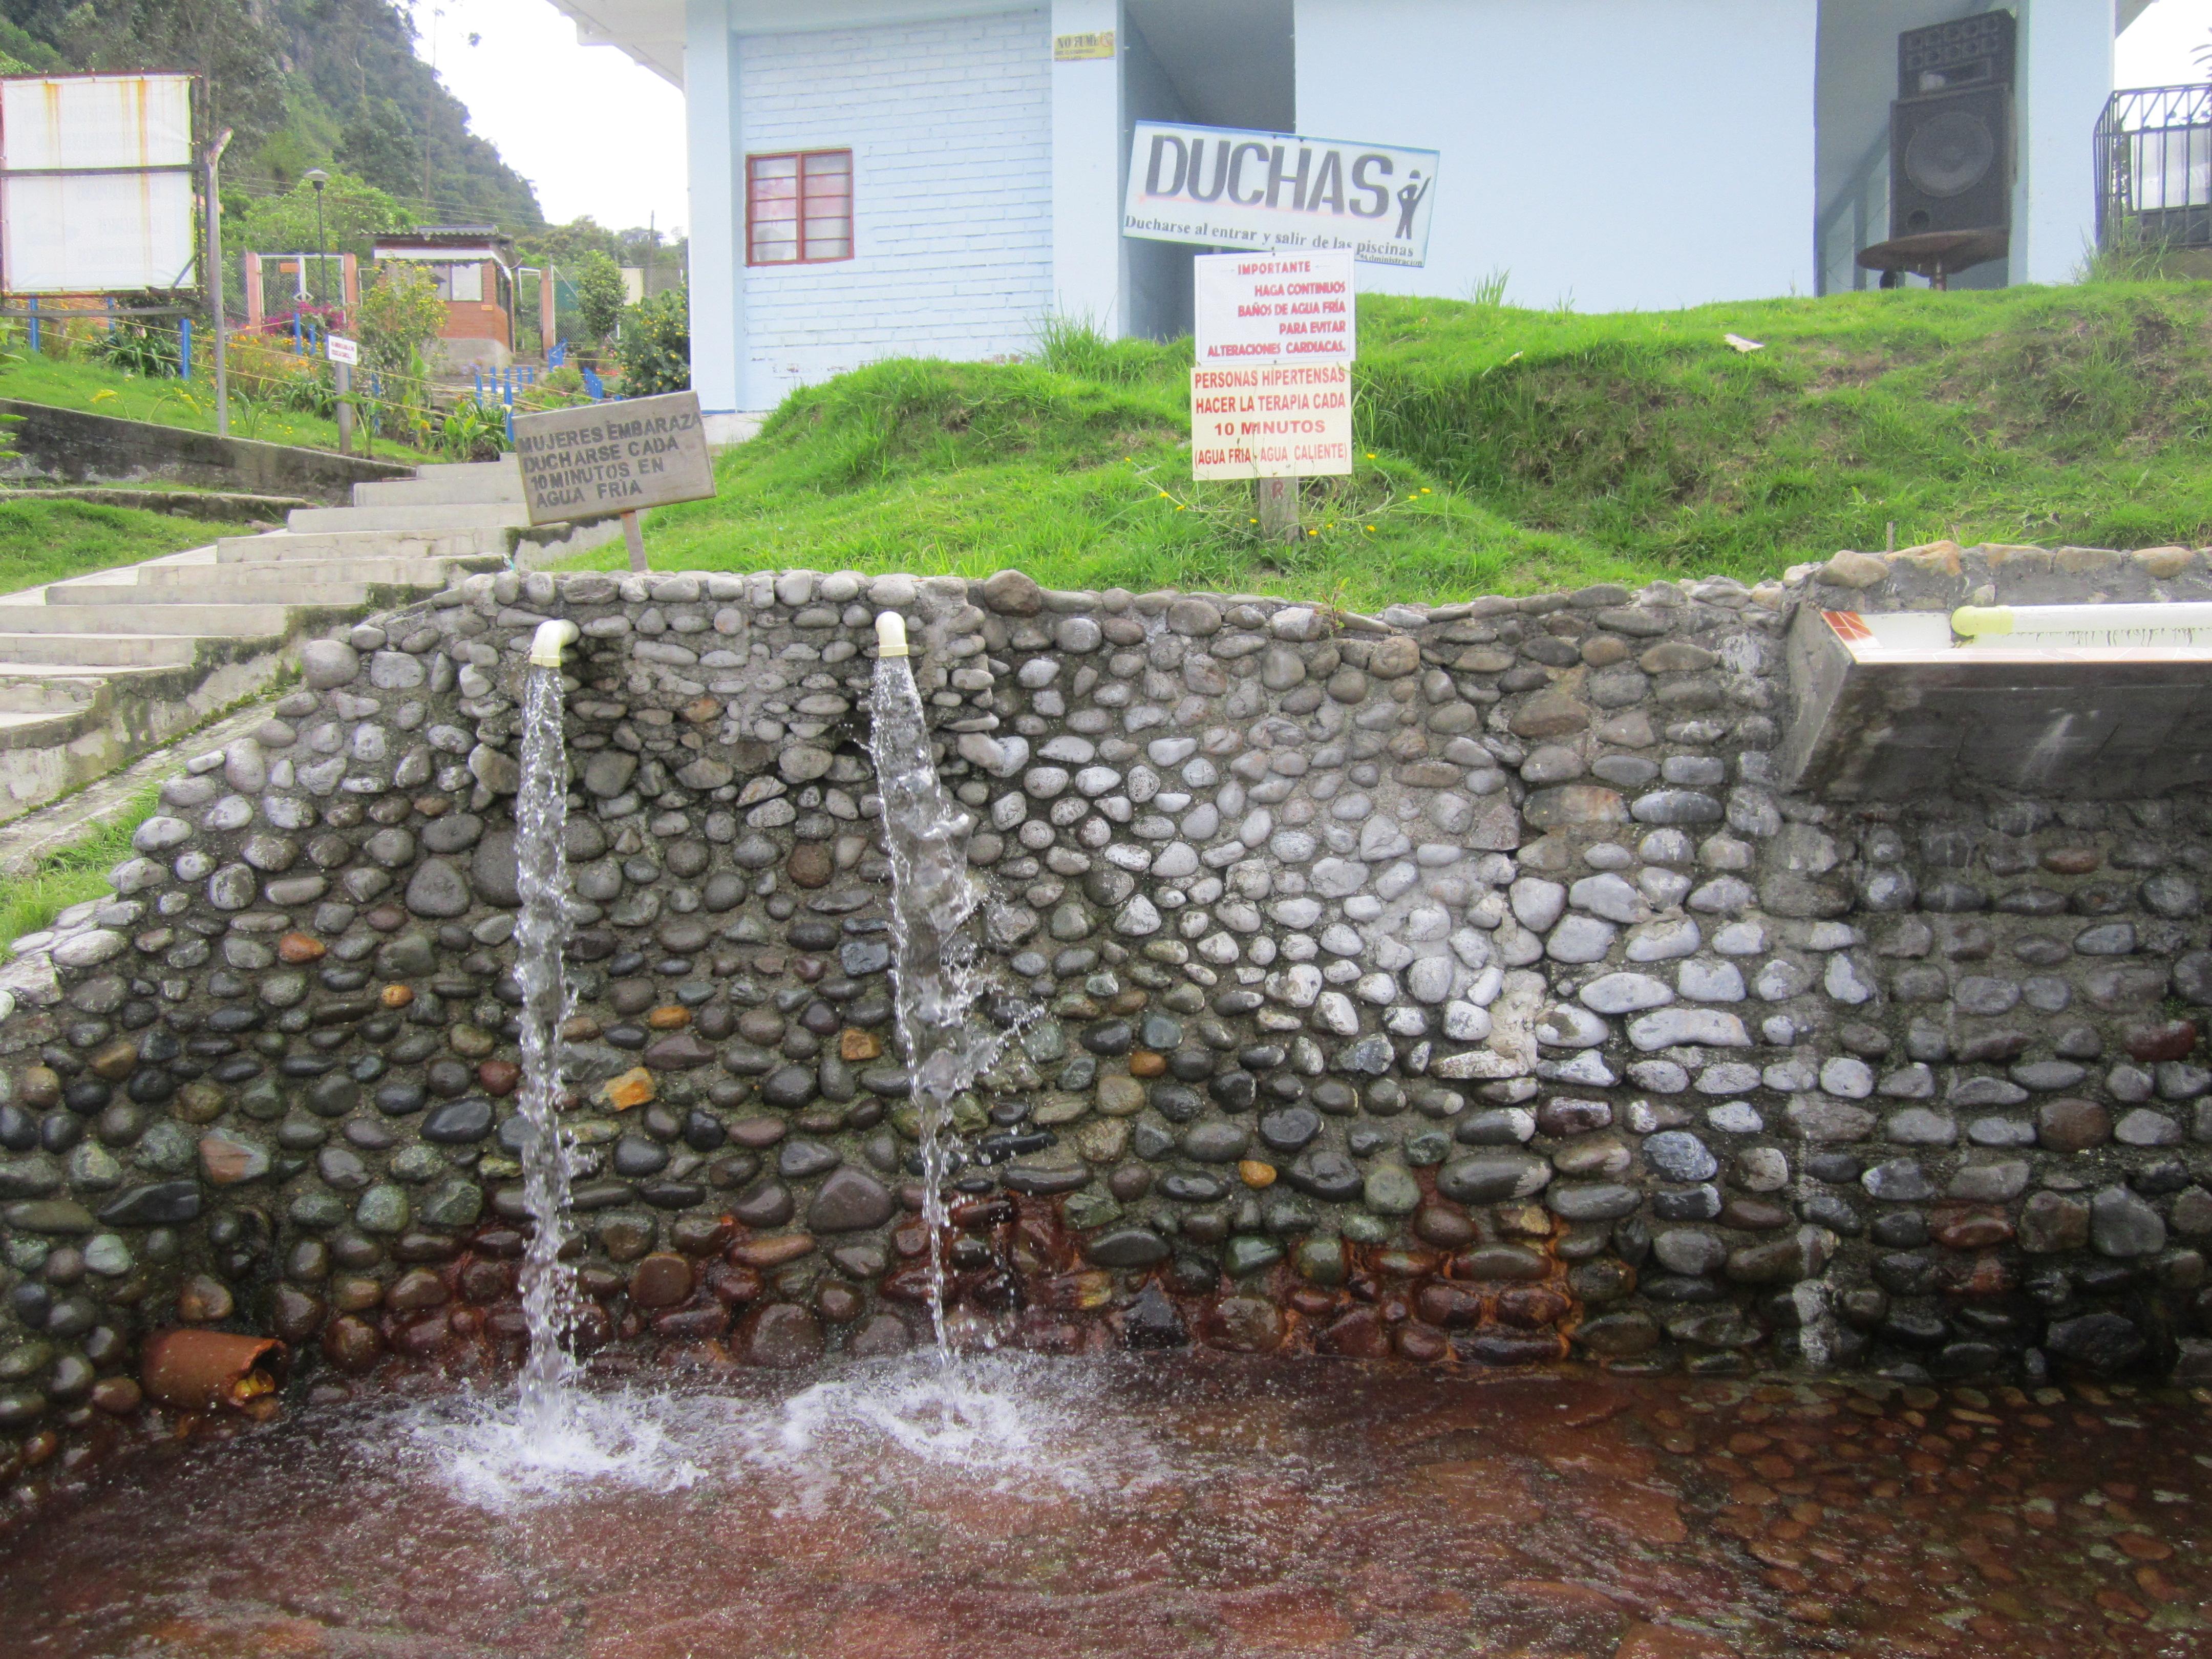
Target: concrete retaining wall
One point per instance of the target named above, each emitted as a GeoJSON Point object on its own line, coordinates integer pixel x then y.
{"type": "Point", "coordinates": [82, 448]}
{"type": "Point", "coordinates": [1453, 987]}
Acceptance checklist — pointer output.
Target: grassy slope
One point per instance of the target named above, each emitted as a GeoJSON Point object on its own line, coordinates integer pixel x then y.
{"type": "Point", "coordinates": [50, 541]}
{"type": "Point", "coordinates": [76, 873]}
{"type": "Point", "coordinates": [1511, 450]}
{"type": "Point", "coordinates": [96, 387]}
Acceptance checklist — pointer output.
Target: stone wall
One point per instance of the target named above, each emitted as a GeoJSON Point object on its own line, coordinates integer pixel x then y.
{"type": "Point", "coordinates": [1451, 986]}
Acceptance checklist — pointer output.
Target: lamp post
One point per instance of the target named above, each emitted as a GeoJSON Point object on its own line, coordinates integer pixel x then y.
{"type": "Point", "coordinates": [317, 178]}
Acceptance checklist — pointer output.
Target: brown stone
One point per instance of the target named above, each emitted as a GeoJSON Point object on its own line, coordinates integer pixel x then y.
{"type": "Point", "coordinates": [855, 1044]}
{"type": "Point", "coordinates": [1422, 1343]}
{"type": "Point", "coordinates": [2174, 1039]}
{"type": "Point", "coordinates": [293, 1314]}
{"type": "Point", "coordinates": [42, 1086]}
{"type": "Point", "coordinates": [1256, 1174]}
{"type": "Point", "coordinates": [2072, 860]}
{"type": "Point", "coordinates": [1533, 1307]}
{"type": "Point", "coordinates": [672, 1018]}
{"type": "Point", "coordinates": [1246, 1324]}
{"type": "Point", "coordinates": [351, 1344]}
{"type": "Point", "coordinates": [1850, 569]}
{"type": "Point", "coordinates": [500, 1078]}
{"type": "Point", "coordinates": [771, 1252]}
{"type": "Point", "coordinates": [782, 1336]}
{"type": "Point", "coordinates": [1620, 1335]}
{"type": "Point", "coordinates": [703, 711]}
{"type": "Point", "coordinates": [395, 996]}
{"type": "Point", "coordinates": [1548, 714]}
{"type": "Point", "coordinates": [301, 947]}
{"type": "Point", "coordinates": [1358, 1335]}
{"type": "Point", "coordinates": [1444, 1226]}
{"type": "Point", "coordinates": [1452, 1306]}
{"type": "Point", "coordinates": [119, 1395]}
{"type": "Point", "coordinates": [114, 1061]}
{"type": "Point", "coordinates": [202, 1300]}
{"type": "Point", "coordinates": [2068, 1125]}
{"type": "Point", "coordinates": [2051, 1222]}
{"type": "Point", "coordinates": [661, 1280]}
{"type": "Point", "coordinates": [811, 864]}
{"type": "Point", "coordinates": [415, 1290]}
{"type": "Point", "coordinates": [839, 1303]}
{"type": "Point", "coordinates": [632, 1088]}
{"type": "Point", "coordinates": [1144, 1063]}
{"type": "Point", "coordinates": [2163, 563]}
{"type": "Point", "coordinates": [1962, 1229]}
{"type": "Point", "coordinates": [226, 1160]}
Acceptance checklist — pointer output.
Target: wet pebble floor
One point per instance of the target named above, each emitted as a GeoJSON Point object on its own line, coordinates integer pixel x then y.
{"type": "Point", "coordinates": [1181, 1506]}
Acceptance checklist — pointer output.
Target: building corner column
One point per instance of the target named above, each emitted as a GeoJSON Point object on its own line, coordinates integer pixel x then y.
{"type": "Point", "coordinates": [1087, 281]}
{"type": "Point", "coordinates": [715, 139]}
{"type": "Point", "coordinates": [2063, 81]}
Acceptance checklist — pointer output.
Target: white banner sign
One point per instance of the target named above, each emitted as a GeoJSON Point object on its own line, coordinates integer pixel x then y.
{"type": "Point", "coordinates": [1269, 191]}
{"type": "Point", "coordinates": [98, 192]}
{"type": "Point", "coordinates": [339, 349]}
{"type": "Point", "coordinates": [1275, 308]}
{"type": "Point", "coordinates": [1276, 421]}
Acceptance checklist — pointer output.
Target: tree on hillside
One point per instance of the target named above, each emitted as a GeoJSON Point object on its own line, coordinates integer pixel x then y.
{"type": "Point", "coordinates": [599, 298]}
{"type": "Point", "coordinates": [565, 246]}
{"type": "Point", "coordinates": [655, 348]}
{"type": "Point", "coordinates": [400, 316]}
{"type": "Point", "coordinates": [353, 215]}
{"type": "Point", "coordinates": [287, 75]}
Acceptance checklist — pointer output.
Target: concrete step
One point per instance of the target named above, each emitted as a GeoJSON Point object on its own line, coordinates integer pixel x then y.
{"type": "Point", "coordinates": [229, 585]}
{"type": "Point", "coordinates": [492, 515]}
{"type": "Point", "coordinates": [325, 545]}
{"type": "Point", "coordinates": [466, 482]}
{"type": "Point", "coordinates": [96, 656]}
{"type": "Point", "coordinates": [207, 621]}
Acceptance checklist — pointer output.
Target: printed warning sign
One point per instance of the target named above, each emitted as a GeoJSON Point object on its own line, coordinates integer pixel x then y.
{"type": "Point", "coordinates": [1277, 421]}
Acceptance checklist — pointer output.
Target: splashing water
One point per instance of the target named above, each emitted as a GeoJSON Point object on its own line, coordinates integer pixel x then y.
{"type": "Point", "coordinates": [933, 968]}
{"type": "Point", "coordinates": [551, 1297]}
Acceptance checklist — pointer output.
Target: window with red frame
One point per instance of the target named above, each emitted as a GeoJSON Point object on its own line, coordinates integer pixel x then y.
{"type": "Point", "coordinates": [799, 208]}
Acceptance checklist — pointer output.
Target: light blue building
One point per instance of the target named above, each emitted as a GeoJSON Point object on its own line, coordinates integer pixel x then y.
{"type": "Point", "coordinates": [872, 178]}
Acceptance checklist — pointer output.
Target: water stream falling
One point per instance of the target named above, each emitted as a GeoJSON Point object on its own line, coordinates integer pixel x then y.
{"type": "Point", "coordinates": [551, 1297]}
{"type": "Point", "coordinates": [933, 970]}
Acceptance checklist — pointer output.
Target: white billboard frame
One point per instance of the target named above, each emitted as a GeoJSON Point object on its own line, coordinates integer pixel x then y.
{"type": "Point", "coordinates": [97, 183]}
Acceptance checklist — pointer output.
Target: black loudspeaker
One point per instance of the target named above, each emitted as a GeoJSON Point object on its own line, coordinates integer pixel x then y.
{"type": "Point", "coordinates": [1950, 160]}
{"type": "Point", "coordinates": [1971, 52]}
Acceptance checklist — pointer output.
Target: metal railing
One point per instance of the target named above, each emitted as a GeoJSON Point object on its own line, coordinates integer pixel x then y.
{"type": "Point", "coordinates": [1857, 218]}
{"type": "Point", "coordinates": [2154, 158]}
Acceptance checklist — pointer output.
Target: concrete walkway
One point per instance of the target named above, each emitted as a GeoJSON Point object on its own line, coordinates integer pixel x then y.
{"type": "Point", "coordinates": [98, 670]}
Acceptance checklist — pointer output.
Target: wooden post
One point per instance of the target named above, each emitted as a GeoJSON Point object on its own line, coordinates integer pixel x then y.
{"type": "Point", "coordinates": [636, 537]}
{"type": "Point", "coordinates": [1279, 509]}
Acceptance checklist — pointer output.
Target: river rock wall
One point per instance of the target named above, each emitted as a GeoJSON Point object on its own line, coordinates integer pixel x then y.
{"type": "Point", "coordinates": [1454, 986]}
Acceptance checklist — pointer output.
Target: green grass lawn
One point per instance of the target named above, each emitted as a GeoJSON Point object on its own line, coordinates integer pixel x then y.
{"type": "Point", "coordinates": [101, 389]}
{"type": "Point", "coordinates": [1507, 450]}
{"type": "Point", "coordinates": [74, 874]}
{"type": "Point", "coordinates": [50, 541]}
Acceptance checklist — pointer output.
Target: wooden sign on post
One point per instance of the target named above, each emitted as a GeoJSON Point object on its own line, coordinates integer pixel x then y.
{"type": "Point", "coordinates": [617, 458]}
{"type": "Point", "coordinates": [1270, 398]}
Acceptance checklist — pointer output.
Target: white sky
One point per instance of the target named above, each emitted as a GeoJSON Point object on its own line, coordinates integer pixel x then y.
{"type": "Point", "coordinates": [598, 135]}
{"type": "Point", "coordinates": [594, 132]}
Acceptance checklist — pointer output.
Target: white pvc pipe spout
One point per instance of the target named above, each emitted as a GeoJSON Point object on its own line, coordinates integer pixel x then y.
{"type": "Point", "coordinates": [546, 645]}
{"type": "Point", "coordinates": [890, 635]}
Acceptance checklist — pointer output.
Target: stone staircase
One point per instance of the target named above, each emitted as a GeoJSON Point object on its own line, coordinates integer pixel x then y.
{"type": "Point", "coordinates": [100, 669]}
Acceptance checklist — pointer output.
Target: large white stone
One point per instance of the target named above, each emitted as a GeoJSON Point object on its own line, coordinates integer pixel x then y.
{"type": "Point", "coordinates": [1673, 1027]}
{"type": "Point", "coordinates": [1625, 993]}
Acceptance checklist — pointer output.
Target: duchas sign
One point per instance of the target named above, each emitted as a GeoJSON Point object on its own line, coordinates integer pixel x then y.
{"type": "Point", "coordinates": [1225, 187]}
